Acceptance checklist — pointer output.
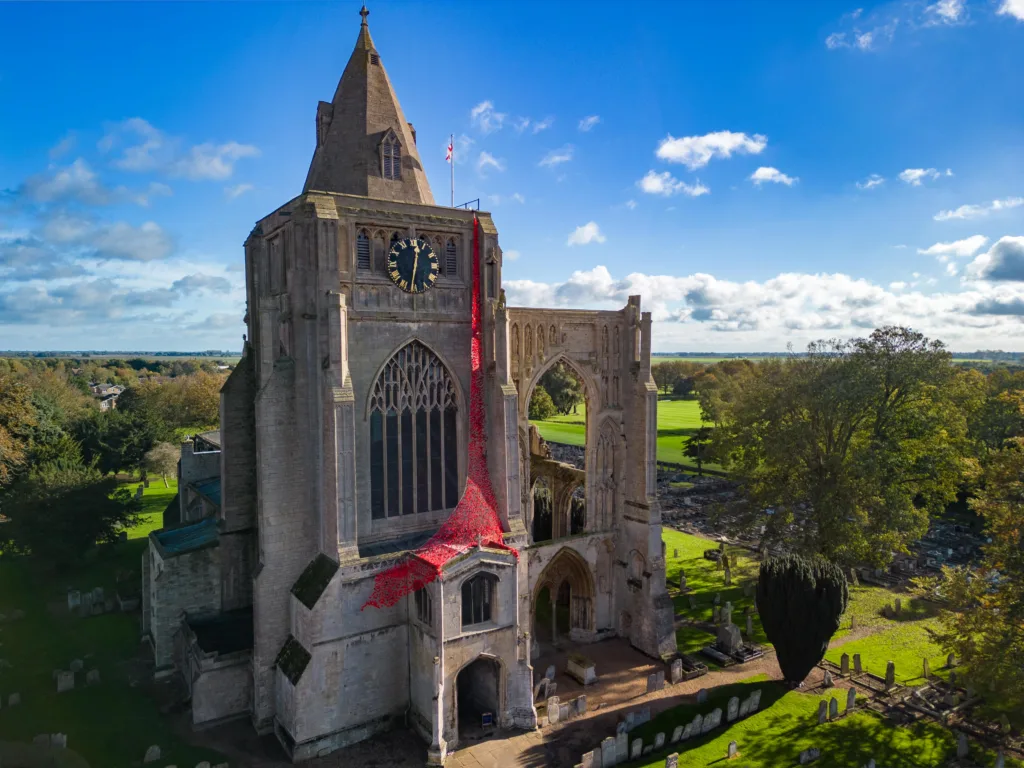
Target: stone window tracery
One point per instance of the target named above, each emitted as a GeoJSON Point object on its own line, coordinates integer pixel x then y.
{"type": "Point", "coordinates": [391, 158]}
{"type": "Point", "coordinates": [413, 436]}
{"type": "Point", "coordinates": [478, 599]}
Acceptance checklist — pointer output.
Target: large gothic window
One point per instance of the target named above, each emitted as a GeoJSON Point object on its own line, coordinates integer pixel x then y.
{"type": "Point", "coordinates": [414, 465]}
{"type": "Point", "coordinates": [391, 156]}
{"type": "Point", "coordinates": [478, 599]}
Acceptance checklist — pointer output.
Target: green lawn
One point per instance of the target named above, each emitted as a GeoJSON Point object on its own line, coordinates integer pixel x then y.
{"type": "Point", "coordinates": [110, 724]}
{"type": "Point", "coordinates": [786, 724]}
{"type": "Point", "coordinates": [677, 420]}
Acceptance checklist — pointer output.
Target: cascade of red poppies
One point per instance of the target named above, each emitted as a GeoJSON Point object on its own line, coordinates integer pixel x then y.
{"type": "Point", "coordinates": [475, 518]}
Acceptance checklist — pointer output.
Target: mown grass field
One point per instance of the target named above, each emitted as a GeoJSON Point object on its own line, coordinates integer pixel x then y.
{"type": "Point", "coordinates": [110, 724]}
{"type": "Point", "coordinates": [677, 420]}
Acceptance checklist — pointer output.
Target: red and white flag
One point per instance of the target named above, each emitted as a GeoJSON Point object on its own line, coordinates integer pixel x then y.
{"type": "Point", "coordinates": [451, 150]}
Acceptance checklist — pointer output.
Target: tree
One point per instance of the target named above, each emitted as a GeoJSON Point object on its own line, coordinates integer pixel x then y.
{"type": "Point", "coordinates": [17, 419]}
{"type": "Point", "coordinates": [118, 440]}
{"type": "Point", "coordinates": [564, 387]}
{"type": "Point", "coordinates": [541, 406]}
{"type": "Point", "coordinates": [984, 623]}
{"type": "Point", "coordinates": [850, 447]}
{"type": "Point", "coordinates": [800, 602]}
{"type": "Point", "coordinates": [683, 387]}
{"type": "Point", "coordinates": [698, 448]}
{"type": "Point", "coordinates": [162, 459]}
{"type": "Point", "coordinates": [60, 509]}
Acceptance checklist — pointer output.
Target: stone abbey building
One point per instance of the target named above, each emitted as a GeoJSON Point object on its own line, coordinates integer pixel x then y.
{"type": "Point", "coordinates": [343, 447]}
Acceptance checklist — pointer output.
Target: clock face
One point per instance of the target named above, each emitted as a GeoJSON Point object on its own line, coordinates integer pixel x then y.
{"type": "Point", "coordinates": [412, 265]}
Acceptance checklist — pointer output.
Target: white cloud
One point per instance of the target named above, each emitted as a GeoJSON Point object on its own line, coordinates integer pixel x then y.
{"type": "Point", "coordinates": [948, 12]}
{"type": "Point", "coordinates": [510, 255]}
{"type": "Point", "coordinates": [958, 248]}
{"type": "Point", "coordinates": [535, 126]}
{"type": "Point", "coordinates": [586, 234]}
{"type": "Point", "coordinates": [148, 242]}
{"type": "Point", "coordinates": [914, 176]}
{"type": "Point", "coordinates": [697, 151]}
{"type": "Point", "coordinates": [213, 161]}
{"type": "Point", "coordinates": [237, 191]}
{"type": "Point", "coordinates": [872, 181]}
{"type": "Point", "coordinates": [979, 211]}
{"type": "Point", "coordinates": [461, 150]}
{"type": "Point", "coordinates": [899, 285]}
{"type": "Point", "coordinates": [1003, 262]}
{"type": "Point", "coordinates": [518, 198]}
{"type": "Point", "coordinates": [773, 175]}
{"type": "Point", "coordinates": [486, 118]}
{"type": "Point", "coordinates": [63, 146]}
{"type": "Point", "coordinates": [557, 156]}
{"type": "Point", "coordinates": [666, 184]}
{"type": "Point", "coordinates": [1014, 8]}
{"type": "Point", "coordinates": [854, 37]}
{"type": "Point", "coordinates": [77, 181]}
{"type": "Point", "coordinates": [589, 122]}
{"type": "Point", "coordinates": [631, 204]}
{"type": "Point", "coordinates": [543, 125]}
{"type": "Point", "coordinates": [487, 160]}
{"type": "Point", "coordinates": [836, 40]}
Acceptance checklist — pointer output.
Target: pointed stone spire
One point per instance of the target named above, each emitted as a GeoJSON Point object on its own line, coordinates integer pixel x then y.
{"type": "Point", "coordinates": [351, 129]}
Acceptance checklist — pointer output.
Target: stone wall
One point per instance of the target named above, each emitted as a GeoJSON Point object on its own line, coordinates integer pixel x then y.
{"type": "Point", "coordinates": [183, 584]}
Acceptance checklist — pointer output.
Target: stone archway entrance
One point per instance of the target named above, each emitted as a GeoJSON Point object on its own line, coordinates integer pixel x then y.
{"type": "Point", "coordinates": [563, 600]}
{"type": "Point", "coordinates": [478, 693]}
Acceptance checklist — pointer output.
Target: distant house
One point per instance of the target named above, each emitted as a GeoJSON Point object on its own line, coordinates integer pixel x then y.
{"type": "Point", "coordinates": [107, 402]}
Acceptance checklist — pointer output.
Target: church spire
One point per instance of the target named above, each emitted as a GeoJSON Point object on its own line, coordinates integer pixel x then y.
{"type": "Point", "coordinates": [364, 146]}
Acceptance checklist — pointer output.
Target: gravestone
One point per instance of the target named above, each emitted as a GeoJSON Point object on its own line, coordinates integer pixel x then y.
{"type": "Point", "coordinates": [676, 671]}
{"type": "Point", "coordinates": [636, 749]}
{"type": "Point", "coordinates": [809, 755]}
{"type": "Point", "coordinates": [138, 492]}
{"type": "Point", "coordinates": [648, 749]}
{"type": "Point", "coordinates": [14, 700]}
{"type": "Point", "coordinates": [553, 713]}
{"type": "Point", "coordinates": [92, 677]}
{"type": "Point", "coordinates": [822, 712]}
{"type": "Point", "coordinates": [1000, 760]}
{"type": "Point", "coordinates": [541, 690]}
{"type": "Point", "coordinates": [643, 715]}
{"type": "Point", "coordinates": [844, 664]}
{"type": "Point", "coordinates": [608, 757]}
{"type": "Point", "coordinates": [734, 750]}
{"type": "Point", "coordinates": [672, 761]}
{"type": "Point", "coordinates": [97, 595]}
{"type": "Point", "coordinates": [712, 721]}
{"type": "Point", "coordinates": [853, 577]}
{"type": "Point", "coordinates": [552, 689]}
{"type": "Point", "coordinates": [952, 677]}
{"type": "Point", "coordinates": [682, 580]}
{"type": "Point", "coordinates": [563, 712]}
{"type": "Point", "coordinates": [951, 660]}
{"type": "Point", "coordinates": [733, 710]}
{"type": "Point", "coordinates": [621, 751]}
{"type": "Point", "coordinates": [687, 732]}
{"type": "Point", "coordinates": [728, 576]}
{"type": "Point", "coordinates": [727, 613]}
{"type": "Point", "coordinates": [927, 670]}
{"type": "Point", "coordinates": [755, 700]}
{"type": "Point", "coordinates": [550, 673]}
{"type": "Point", "coordinates": [659, 740]}
{"type": "Point", "coordinates": [587, 760]}
{"type": "Point", "coordinates": [961, 745]}
{"type": "Point", "coordinates": [853, 623]}
{"type": "Point", "coordinates": [890, 674]}
{"type": "Point", "coordinates": [152, 754]}
{"type": "Point", "coordinates": [857, 668]}
{"type": "Point", "coordinates": [76, 665]}
{"type": "Point", "coordinates": [851, 699]}
{"type": "Point", "coordinates": [899, 606]}
{"type": "Point", "coordinates": [59, 740]}
{"type": "Point", "coordinates": [698, 725]}
{"type": "Point", "coordinates": [86, 608]}
{"type": "Point", "coordinates": [828, 683]}
{"type": "Point", "coordinates": [750, 626]}
{"type": "Point", "coordinates": [716, 615]}
{"type": "Point", "coordinates": [677, 734]}
{"type": "Point", "coordinates": [693, 603]}
{"type": "Point", "coordinates": [204, 764]}
{"type": "Point", "coordinates": [74, 600]}
{"type": "Point", "coordinates": [833, 708]}
{"type": "Point", "coordinates": [581, 704]}
{"type": "Point", "coordinates": [871, 763]}
{"type": "Point", "coordinates": [718, 598]}
{"type": "Point", "coordinates": [729, 638]}
{"type": "Point", "coordinates": [65, 681]}
{"type": "Point", "coordinates": [745, 707]}
{"type": "Point", "coordinates": [702, 695]}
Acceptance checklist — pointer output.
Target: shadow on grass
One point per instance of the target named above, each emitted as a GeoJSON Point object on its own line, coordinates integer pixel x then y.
{"type": "Point", "coordinates": [915, 609]}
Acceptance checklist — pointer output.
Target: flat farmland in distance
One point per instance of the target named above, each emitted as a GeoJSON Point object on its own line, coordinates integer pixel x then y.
{"type": "Point", "coordinates": [710, 359]}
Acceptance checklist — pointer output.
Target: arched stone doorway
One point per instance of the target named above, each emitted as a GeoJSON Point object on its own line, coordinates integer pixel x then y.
{"type": "Point", "coordinates": [563, 602]}
{"type": "Point", "coordinates": [478, 693]}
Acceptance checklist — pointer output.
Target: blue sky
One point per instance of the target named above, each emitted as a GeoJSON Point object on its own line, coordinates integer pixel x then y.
{"type": "Point", "coordinates": [761, 173]}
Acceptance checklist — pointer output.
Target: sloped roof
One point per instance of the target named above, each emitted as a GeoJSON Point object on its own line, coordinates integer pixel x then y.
{"type": "Point", "coordinates": [189, 538]}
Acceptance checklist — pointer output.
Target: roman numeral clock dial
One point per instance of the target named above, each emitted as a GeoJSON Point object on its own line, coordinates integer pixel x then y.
{"type": "Point", "coordinates": [412, 265]}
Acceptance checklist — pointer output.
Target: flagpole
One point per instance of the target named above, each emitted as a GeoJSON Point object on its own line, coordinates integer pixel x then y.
{"type": "Point", "coordinates": [451, 143]}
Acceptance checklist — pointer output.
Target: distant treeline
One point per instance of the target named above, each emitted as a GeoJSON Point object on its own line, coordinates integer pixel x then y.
{"type": "Point", "coordinates": [981, 355]}
{"type": "Point", "coordinates": [128, 353]}
{"type": "Point", "coordinates": [80, 373]}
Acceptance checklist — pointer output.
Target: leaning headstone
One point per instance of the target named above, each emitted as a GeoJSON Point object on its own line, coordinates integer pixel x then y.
{"type": "Point", "coordinates": [74, 600]}
{"type": "Point", "coordinates": [676, 671]}
{"type": "Point", "coordinates": [540, 691]}
{"type": "Point", "coordinates": [961, 745]}
{"type": "Point", "coordinates": [14, 700]}
{"type": "Point", "coordinates": [659, 740]}
{"type": "Point", "coordinates": [833, 708]}
{"type": "Point", "coordinates": [687, 732]}
{"type": "Point", "coordinates": [828, 679]}
{"type": "Point", "coordinates": [890, 674]}
{"type": "Point", "coordinates": [65, 681]}
{"type": "Point", "coordinates": [677, 734]}
{"type": "Point", "coordinates": [733, 710]}
{"type": "Point", "coordinates": [702, 695]}
{"type": "Point", "coordinates": [636, 749]}
{"type": "Point", "coordinates": [822, 712]}
{"type": "Point", "coordinates": [76, 665]}
{"type": "Point", "coordinates": [734, 750]}
{"type": "Point", "coordinates": [672, 761]}
{"type": "Point", "coordinates": [927, 670]}
{"type": "Point", "coordinates": [857, 668]}
{"type": "Point", "coordinates": [951, 660]}
{"type": "Point", "coordinates": [553, 711]}
{"type": "Point", "coordinates": [152, 754]}
{"type": "Point", "coordinates": [587, 760]}
{"type": "Point", "coordinates": [697, 725]}
{"type": "Point", "coordinates": [712, 721]}
{"type": "Point", "coordinates": [92, 677]}
{"type": "Point", "coordinates": [851, 698]}
{"type": "Point", "coordinates": [621, 749]}
{"type": "Point", "coordinates": [844, 664]}
{"type": "Point", "coordinates": [755, 700]}
{"type": "Point", "coordinates": [550, 673]}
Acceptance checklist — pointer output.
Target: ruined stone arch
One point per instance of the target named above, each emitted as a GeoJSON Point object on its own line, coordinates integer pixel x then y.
{"type": "Point", "coordinates": [591, 390]}
{"type": "Point", "coordinates": [568, 567]}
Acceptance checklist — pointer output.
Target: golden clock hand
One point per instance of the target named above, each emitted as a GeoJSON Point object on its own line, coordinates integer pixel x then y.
{"type": "Point", "coordinates": [415, 261]}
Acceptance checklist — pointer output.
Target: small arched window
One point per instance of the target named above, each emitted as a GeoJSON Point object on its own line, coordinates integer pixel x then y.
{"type": "Point", "coordinates": [391, 157]}
{"type": "Point", "coordinates": [362, 250]}
{"type": "Point", "coordinates": [451, 261]}
{"type": "Point", "coordinates": [478, 599]}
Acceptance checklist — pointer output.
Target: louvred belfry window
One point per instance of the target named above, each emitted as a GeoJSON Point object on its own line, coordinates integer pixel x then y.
{"type": "Point", "coordinates": [362, 250]}
{"type": "Point", "coordinates": [414, 465]}
{"type": "Point", "coordinates": [451, 261]}
{"type": "Point", "coordinates": [391, 152]}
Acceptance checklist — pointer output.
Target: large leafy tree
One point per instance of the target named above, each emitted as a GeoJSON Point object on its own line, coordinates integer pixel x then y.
{"type": "Point", "coordinates": [541, 406]}
{"type": "Point", "coordinates": [845, 451]}
{"type": "Point", "coordinates": [17, 420]}
{"type": "Point", "coordinates": [564, 387]}
{"type": "Point", "coordinates": [698, 448]}
{"type": "Point", "coordinates": [984, 624]}
{"type": "Point", "coordinates": [800, 602]}
{"type": "Point", "coordinates": [162, 459]}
